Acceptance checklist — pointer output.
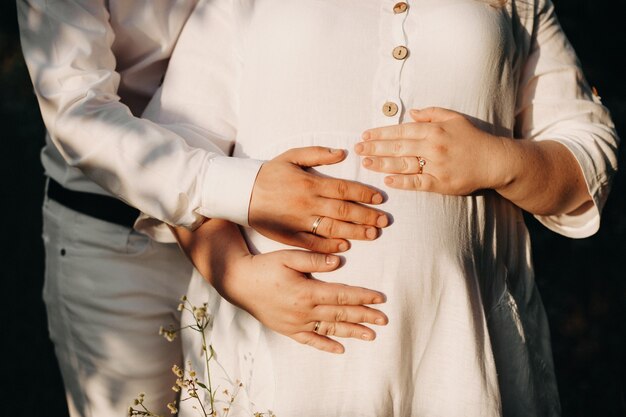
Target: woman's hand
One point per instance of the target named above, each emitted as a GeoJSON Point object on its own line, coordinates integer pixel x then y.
{"type": "Point", "coordinates": [287, 201]}
{"type": "Point", "coordinates": [456, 157]}
{"type": "Point", "coordinates": [276, 289]}
{"type": "Point", "coordinates": [542, 177]}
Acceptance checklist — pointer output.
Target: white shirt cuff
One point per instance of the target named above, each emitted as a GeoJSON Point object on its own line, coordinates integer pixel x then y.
{"type": "Point", "coordinates": [227, 188]}
{"type": "Point", "coordinates": [574, 226]}
{"type": "Point", "coordinates": [587, 222]}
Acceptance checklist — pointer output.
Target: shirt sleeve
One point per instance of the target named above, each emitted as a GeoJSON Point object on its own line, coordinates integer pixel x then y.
{"type": "Point", "coordinates": [176, 173]}
{"type": "Point", "coordinates": [556, 103]}
{"type": "Point", "coordinates": [201, 89]}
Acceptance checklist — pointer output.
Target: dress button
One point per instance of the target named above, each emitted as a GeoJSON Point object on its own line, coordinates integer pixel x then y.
{"type": "Point", "coordinates": [400, 7]}
{"type": "Point", "coordinates": [400, 52]}
{"type": "Point", "coordinates": [390, 109]}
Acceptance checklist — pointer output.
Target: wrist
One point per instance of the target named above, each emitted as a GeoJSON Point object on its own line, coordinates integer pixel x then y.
{"type": "Point", "coordinates": [505, 164]}
{"type": "Point", "coordinates": [231, 279]}
{"type": "Point", "coordinates": [228, 250]}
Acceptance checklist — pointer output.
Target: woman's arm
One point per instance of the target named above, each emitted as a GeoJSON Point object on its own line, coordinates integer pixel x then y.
{"type": "Point", "coordinates": [541, 177]}
{"type": "Point", "coordinates": [276, 290]}
{"type": "Point", "coordinates": [560, 169]}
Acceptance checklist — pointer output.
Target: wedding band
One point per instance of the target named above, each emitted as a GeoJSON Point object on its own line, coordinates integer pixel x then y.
{"type": "Point", "coordinates": [421, 162]}
{"type": "Point", "coordinates": [317, 326]}
{"type": "Point", "coordinates": [316, 224]}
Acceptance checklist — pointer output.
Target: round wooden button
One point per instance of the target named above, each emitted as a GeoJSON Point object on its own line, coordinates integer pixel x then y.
{"type": "Point", "coordinates": [400, 7]}
{"type": "Point", "coordinates": [390, 109]}
{"type": "Point", "coordinates": [400, 52]}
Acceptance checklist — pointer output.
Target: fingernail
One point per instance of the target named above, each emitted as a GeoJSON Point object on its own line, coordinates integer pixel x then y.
{"type": "Point", "coordinates": [366, 336]}
{"type": "Point", "coordinates": [336, 151]}
{"type": "Point", "coordinates": [343, 247]}
{"type": "Point", "coordinates": [415, 111]}
{"type": "Point", "coordinates": [382, 221]}
{"type": "Point", "coordinates": [371, 233]}
{"type": "Point", "coordinates": [331, 260]}
{"type": "Point", "coordinates": [380, 299]}
{"type": "Point", "coordinates": [377, 199]}
{"type": "Point", "coordinates": [389, 180]}
{"type": "Point", "coordinates": [358, 147]}
{"type": "Point", "coordinates": [366, 135]}
{"type": "Point", "coordinates": [338, 349]}
{"type": "Point", "coordinates": [380, 322]}
{"type": "Point", "coordinates": [367, 162]}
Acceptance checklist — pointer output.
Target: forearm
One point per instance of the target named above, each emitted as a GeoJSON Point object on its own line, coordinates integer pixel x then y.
{"type": "Point", "coordinates": [212, 248]}
{"type": "Point", "coordinates": [170, 169]}
{"type": "Point", "coordinates": [542, 177]}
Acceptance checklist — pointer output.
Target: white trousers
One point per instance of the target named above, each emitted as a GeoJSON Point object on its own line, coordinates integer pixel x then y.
{"type": "Point", "coordinates": [107, 290]}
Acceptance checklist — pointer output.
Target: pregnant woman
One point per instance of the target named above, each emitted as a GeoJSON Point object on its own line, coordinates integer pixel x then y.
{"type": "Point", "coordinates": [514, 126]}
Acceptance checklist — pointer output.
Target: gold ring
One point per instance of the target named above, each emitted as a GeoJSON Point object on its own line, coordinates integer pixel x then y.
{"type": "Point", "coordinates": [422, 163]}
{"type": "Point", "coordinates": [316, 224]}
{"type": "Point", "coordinates": [317, 326]}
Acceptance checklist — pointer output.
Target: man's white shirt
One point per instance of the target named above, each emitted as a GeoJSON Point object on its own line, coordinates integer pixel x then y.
{"type": "Point", "coordinates": [95, 65]}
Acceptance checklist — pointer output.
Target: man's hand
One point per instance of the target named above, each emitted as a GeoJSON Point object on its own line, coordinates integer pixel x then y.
{"type": "Point", "coordinates": [287, 200]}
{"type": "Point", "coordinates": [276, 290]}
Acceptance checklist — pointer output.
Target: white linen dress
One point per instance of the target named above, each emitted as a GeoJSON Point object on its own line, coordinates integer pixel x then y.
{"type": "Point", "coordinates": [467, 333]}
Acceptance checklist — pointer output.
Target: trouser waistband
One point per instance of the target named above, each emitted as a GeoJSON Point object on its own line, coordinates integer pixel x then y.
{"type": "Point", "coordinates": [99, 206]}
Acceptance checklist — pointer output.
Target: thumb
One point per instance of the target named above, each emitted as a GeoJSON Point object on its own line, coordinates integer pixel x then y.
{"type": "Point", "coordinates": [312, 156]}
{"type": "Point", "coordinates": [308, 262]}
{"type": "Point", "coordinates": [433, 115]}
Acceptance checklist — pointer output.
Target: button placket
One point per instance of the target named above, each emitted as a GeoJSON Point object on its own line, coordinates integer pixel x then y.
{"type": "Point", "coordinates": [393, 52]}
{"type": "Point", "coordinates": [393, 108]}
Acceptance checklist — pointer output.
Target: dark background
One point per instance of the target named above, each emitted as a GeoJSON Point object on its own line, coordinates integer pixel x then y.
{"type": "Point", "coordinates": [583, 282]}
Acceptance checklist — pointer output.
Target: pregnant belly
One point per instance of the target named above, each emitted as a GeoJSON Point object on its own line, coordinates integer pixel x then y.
{"type": "Point", "coordinates": [432, 262]}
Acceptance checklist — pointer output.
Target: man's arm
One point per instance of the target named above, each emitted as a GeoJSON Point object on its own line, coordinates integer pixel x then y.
{"type": "Point", "coordinates": [174, 169]}
{"type": "Point", "coordinates": [67, 47]}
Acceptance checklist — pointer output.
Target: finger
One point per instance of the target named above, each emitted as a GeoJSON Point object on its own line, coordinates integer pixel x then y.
{"type": "Point", "coordinates": [307, 262]}
{"type": "Point", "coordinates": [337, 229]}
{"type": "Point", "coordinates": [350, 314]}
{"type": "Point", "coordinates": [325, 293]}
{"type": "Point", "coordinates": [400, 131]}
{"type": "Point", "coordinates": [349, 190]}
{"type": "Point", "coordinates": [312, 156]}
{"type": "Point", "coordinates": [347, 330]}
{"type": "Point", "coordinates": [317, 341]}
{"type": "Point", "coordinates": [316, 243]}
{"type": "Point", "coordinates": [418, 182]}
{"type": "Point", "coordinates": [389, 147]}
{"type": "Point", "coordinates": [393, 165]}
{"type": "Point", "coordinates": [433, 114]}
{"type": "Point", "coordinates": [351, 212]}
